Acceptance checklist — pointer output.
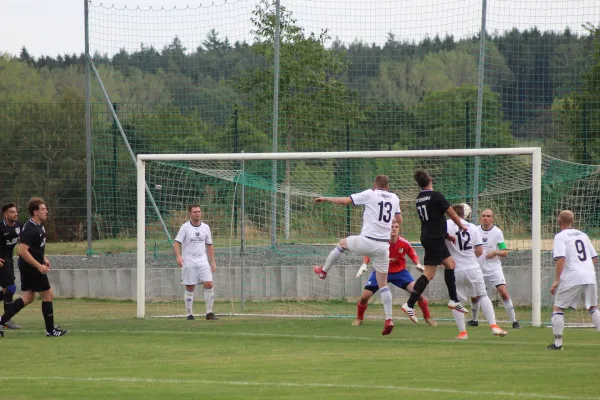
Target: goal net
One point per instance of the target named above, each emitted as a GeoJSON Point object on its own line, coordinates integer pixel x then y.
{"type": "Point", "coordinates": [268, 233]}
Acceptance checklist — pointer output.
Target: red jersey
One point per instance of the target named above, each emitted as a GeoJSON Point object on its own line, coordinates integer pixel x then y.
{"type": "Point", "coordinates": [398, 251]}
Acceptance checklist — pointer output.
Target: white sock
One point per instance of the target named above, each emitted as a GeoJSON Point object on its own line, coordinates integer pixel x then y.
{"type": "Point", "coordinates": [488, 310]}
{"type": "Point", "coordinates": [595, 313]}
{"type": "Point", "coordinates": [188, 298]}
{"type": "Point", "coordinates": [333, 257]}
{"type": "Point", "coordinates": [386, 298]}
{"type": "Point", "coordinates": [460, 320]}
{"type": "Point", "coordinates": [558, 326]}
{"type": "Point", "coordinates": [209, 299]}
{"type": "Point", "coordinates": [510, 310]}
{"type": "Point", "coordinates": [475, 309]}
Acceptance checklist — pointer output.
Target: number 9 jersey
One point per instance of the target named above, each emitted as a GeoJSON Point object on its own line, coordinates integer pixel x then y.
{"type": "Point", "coordinates": [380, 208]}
{"type": "Point", "coordinates": [576, 247]}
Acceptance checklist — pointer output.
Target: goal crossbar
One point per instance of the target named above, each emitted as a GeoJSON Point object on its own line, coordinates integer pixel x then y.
{"type": "Point", "coordinates": [534, 152]}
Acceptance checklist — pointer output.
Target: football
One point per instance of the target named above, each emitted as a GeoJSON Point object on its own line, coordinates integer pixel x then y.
{"type": "Point", "coordinates": [468, 210]}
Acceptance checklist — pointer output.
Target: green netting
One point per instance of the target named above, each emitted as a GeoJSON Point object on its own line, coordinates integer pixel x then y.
{"type": "Point", "coordinates": [282, 272]}
{"type": "Point", "coordinates": [353, 76]}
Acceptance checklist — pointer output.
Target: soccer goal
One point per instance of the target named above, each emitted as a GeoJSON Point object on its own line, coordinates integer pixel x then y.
{"type": "Point", "coordinates": [268, 232]}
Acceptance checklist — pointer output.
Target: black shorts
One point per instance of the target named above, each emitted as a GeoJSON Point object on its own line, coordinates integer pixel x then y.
{"type": "Point", "coordinates": [435, 251]}
{"type": "Point", "coordinates": [7, 274]}
{"type": "Point", "coordinates": [33, 279]}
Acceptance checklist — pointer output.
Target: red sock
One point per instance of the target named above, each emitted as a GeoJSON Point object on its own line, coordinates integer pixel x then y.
{"type": "Point", "coordinates": [360, 311]}
{"type": "Point", "coordinates": [424, 306]}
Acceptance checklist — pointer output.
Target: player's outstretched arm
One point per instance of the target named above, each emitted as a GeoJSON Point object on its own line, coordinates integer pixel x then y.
{"type": "Point", "coordinates": [344, 201]}
{"type": "Point", "coordinates": [454, 217]}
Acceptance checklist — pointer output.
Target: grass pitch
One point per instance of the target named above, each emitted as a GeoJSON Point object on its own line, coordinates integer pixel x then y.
{"type": "Point", "coordinates": [110, 354]}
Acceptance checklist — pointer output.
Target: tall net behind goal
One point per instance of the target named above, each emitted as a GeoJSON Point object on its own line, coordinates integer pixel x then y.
{"type": "Point", "coordinates": [256, 275]}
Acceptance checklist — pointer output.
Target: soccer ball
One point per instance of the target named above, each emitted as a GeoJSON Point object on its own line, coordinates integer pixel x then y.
{"type": "Point", "coordinates": [468, 210]}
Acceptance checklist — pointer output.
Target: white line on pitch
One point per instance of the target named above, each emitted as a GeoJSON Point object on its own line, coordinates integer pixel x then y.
{"type": "Point", "coordinates": [320, 337]}
{"type": "Point", "coordinates": [297, 385]}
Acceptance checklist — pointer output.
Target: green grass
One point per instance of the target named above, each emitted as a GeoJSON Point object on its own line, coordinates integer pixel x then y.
{"type": "Point", "coordinates": [110, 354]}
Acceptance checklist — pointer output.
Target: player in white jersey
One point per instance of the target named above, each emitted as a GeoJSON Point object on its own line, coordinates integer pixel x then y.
{"type": "Point", "coordinates": [494, 249]}
{"type": "Point", "coordinates": [381, 208]}
{"type": "Point", "coordinates": [465, 249]}
{"type": "Point", "coordinates": [576, 260]}
{"type": "Point", "coordinates": [196, 239]}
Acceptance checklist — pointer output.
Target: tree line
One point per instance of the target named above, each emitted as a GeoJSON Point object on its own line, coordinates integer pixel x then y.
{"type": "Point", "coordinates": [540, 88]}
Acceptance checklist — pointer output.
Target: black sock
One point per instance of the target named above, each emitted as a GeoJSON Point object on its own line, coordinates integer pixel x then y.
{"type": "Point", "coordinates": [8, 300]}
{"type": "Point", "coordinates": [418, 289]}
{"type": "Point", "coordinates": [48, 312]}
{"type": "Point", "coordinates": [15, 307]}
{"type": "Point", "coordinates": [450, 283]}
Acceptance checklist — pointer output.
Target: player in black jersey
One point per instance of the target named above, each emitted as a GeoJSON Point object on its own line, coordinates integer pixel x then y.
{"type": "Point", "coordinates": [432, 207]}
{"type": "Point", "coordinates": [10, 229]}
{"type": "Point", "coordinates": [34, 266]}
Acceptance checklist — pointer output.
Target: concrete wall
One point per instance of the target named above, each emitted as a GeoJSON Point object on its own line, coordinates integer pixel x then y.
{"type": "Point", "coordinates": [112, 277]}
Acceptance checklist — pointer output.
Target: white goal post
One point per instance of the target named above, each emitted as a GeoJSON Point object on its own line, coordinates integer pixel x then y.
{"type": "Point", "coordinates": [536, 172]}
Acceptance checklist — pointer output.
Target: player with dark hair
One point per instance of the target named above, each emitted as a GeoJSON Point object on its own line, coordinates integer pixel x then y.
{"type": "Point", "coordinates": [34, 267]}
{"type": "Point", "coordinates": [431, 207]}
{"type": "Point", "coordinates": [10, 228]}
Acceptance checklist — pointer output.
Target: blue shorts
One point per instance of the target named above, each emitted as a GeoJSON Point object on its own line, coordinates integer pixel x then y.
{"type": "Point", "coordinates": [400, 279]}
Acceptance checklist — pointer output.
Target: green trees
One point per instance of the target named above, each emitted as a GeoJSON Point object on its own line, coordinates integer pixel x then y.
{"type": "Point", "coordinates": [313, 99]}
{"type": "Point", "coordinates": [578, 112]}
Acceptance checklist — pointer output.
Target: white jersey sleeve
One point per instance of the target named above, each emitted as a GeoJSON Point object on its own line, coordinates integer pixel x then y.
{"type": "Point", "coordinates": [359, 199]}
{"type": "Point", "coordinates": [380, 207]}
{"type": "Point", "coordinates": [560, 247]}
{"type": "Point", "coordinates": [208, 235]}
{"type": "Point", "coordinates": [181, 234]}
{"type": "Point", "coordinates": [577, 250]}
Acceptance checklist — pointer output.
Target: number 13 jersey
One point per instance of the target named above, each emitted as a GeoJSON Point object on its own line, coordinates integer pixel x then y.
{"type": "Point", "coordinates": [380, 207]}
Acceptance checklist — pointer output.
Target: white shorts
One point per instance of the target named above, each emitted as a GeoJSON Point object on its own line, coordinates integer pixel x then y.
{"type": "Point", "coordinates": [378, 252]}
{"type": "Point", "coordinates": [570, 297]}
{"type": "Point", "coordinates": [494, 278]}
{"type": "Point", "coordinates": [469, 284]}
{"type": "Point", "coordinates": [196, 275]}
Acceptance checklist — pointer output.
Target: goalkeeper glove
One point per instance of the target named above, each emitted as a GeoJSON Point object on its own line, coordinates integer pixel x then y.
{"type": "Point", "coordinates": [420, 268]}
{"type": "Point", "coordinates": [362, 269]}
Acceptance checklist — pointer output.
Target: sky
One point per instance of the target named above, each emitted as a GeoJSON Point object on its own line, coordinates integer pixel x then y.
{"type": "Point", "coordinates": [51, 27]}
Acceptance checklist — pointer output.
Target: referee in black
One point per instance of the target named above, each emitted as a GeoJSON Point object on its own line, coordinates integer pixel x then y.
{"type": "Point", "coordinates": [34, 266]}
{"type": "Point", "coordinates": [431, 207]}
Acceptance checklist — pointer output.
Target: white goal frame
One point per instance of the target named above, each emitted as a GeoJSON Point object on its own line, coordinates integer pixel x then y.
{"type": "Point", "coordinates": [534, 152]}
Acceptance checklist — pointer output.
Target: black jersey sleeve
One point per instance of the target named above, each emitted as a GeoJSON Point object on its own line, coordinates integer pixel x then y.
{"type": "Point", "coordinates": [30, 237]}
{"type": "Point", "coordinates": [444, 204]}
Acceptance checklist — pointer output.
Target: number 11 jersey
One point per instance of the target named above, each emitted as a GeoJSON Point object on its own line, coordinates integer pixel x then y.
{"type": "Point", "coordinates": [380, 209]}
{"type": "Point", "coordinates": [431, 207]}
